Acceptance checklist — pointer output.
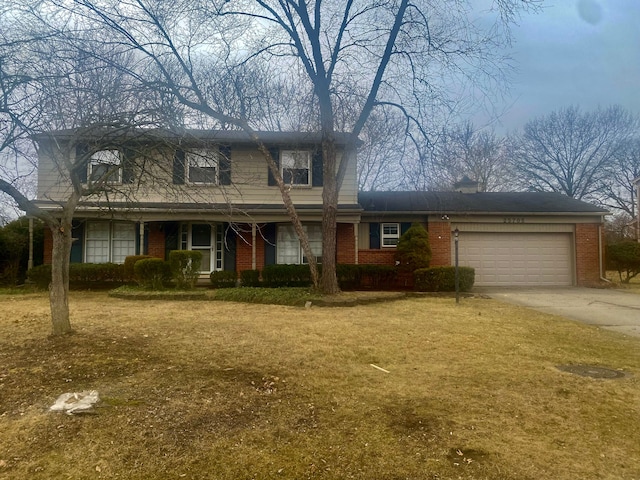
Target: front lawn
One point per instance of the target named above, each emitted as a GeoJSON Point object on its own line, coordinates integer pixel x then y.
{"type": "Point", "coordinates": [411, 389]}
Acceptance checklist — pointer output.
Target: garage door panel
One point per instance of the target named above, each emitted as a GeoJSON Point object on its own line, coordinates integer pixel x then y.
{"type": "Point", "coordinates": [518, 258]}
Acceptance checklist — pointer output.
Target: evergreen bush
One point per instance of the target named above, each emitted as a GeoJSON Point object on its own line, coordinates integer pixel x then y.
{"type": "Point", "coordinates": [223, 279]}
{"type": "Point", "coordinates": [152, 273]}
{"type": "Point", "coordinates": [129, 262]}
{"type": "Point", "coordinates": [185, 267]}
{"type": "Point", "coordinates": [286, 276]}
{"type": "Point", "coordinates": [250, 278]}
{"type": "Point", "coordinates": [624, 258]}
{"type": "Point", "coordinates": [413, 250]}
{"type": "Point", "coordinates": [443, 279]}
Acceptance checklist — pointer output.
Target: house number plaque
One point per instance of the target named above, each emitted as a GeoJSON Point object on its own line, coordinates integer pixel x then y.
{"type": "Point", "coordinates": [513, 220]}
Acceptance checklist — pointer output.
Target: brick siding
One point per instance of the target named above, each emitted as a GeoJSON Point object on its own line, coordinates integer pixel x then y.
{"type": "Point", "coordinates": [440, 241]}
{"type": "Point", "coordinates": [346, 243]}
{"type": "Point", "coordinates": [587, 254]}
{"type": "Point", "coordinates": [156, 240]}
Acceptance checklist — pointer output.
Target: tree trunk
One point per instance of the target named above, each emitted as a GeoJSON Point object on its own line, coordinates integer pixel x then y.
{"type": "Point", "coordinates": [329, 280]}
{"type": "Point", "coordinates": [59, 288]}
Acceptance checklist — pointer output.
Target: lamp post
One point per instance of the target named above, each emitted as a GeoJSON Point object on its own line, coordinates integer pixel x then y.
{"type": "Point", "coordinates": [456, 234]}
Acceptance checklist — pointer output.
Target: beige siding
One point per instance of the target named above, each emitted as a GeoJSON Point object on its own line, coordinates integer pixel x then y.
{"type": "Point", "coordinates": [249, 180]}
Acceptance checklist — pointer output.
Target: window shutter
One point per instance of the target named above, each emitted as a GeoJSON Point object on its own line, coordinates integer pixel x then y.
{"type": "Point", "coordinates": [229, 248]}
{"type": "Point", "coordinates": [171, 237]}
{"type": "Point", "coordinates": [77, 233]}
{"type": "Point", "coordinates": [224, 165]}
{"type": "Point", "coordinates": [275, 154]}
{"type": "Point", "coordinates": [128, 164]}
{"type": "Point", "coordinates": [81, 164]}
{"type": "Point", "coordinates": [374, 235]}
{"type": "Point", "coordinates": [269, 232]}
{"type": "Point", "coordinates": [178, 167]}
{"type": "Point", "coordinates": [404, 226]}
{"type": "Point", "coordinates": [316, 169]}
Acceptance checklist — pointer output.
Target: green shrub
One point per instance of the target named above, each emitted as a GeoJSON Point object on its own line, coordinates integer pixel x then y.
{"type": "Point", "coordinates": [413, 250]}
{"type": "Point", "coordinates": [129, 262]}
{"type": "Point", "coordinates": [624, 258]}
{"type": "Point", "coordinates": [378, 276]}
{"type": "Point", "coordinates": [81, 275]}
{"type": "Point", "coordinates": [286, 276]}
{"type": "Point", "coordinates": [153, 273]}
{"type": "Point", "coordinates": [223, 279]}
{"type": "Point", "coordinates": [442, 279]}
{"type": "Point", "coordinates": [40, 276]}
{"type": "Point", "coordinates": [348, 276]}
{"type": "Point", "coordinates": [250, 278]}
{"type": "Point", "coordinates": [185, 267]}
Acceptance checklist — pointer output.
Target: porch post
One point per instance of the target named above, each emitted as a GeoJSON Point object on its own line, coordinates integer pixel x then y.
{"type": "Point", "coordinates": [253, 246]}
{"type": "Point", "coordinates": [141, 239]}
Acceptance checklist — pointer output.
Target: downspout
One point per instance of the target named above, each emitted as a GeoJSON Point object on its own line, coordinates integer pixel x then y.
{"type": "Point", "coordinates": [600, 252]}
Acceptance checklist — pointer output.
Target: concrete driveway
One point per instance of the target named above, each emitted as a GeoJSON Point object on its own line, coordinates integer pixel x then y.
{"type": "Point", "coordinates": [612, 309]}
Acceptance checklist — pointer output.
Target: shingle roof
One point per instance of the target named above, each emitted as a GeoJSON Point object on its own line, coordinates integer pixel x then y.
{"type": "Point", "coordinates": [493, 202]}
{"type": "Point", "coordinates": [237, 137]}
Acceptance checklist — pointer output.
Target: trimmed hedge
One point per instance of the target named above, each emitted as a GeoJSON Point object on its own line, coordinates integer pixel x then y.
{"type": "Point", "coordinates": [129, 262]}
{"type": "Point", "coordinates": [250, 278]}
{"type": "Point", "coordinates": [286, 276]}
{"type": "Point", "coordinates": [223, 279]}
{"type": "Point", "coordinates": [81, 275]}
{"type": "Point", "coordinates": [152, 273]}
{"type": "Point", "coordinates": [442, 279]}
{"type": "Point", "coordinates": [185, 267]}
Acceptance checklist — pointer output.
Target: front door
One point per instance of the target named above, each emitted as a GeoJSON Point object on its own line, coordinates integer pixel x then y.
{"type": "Point", "coordinates": [203, 237]}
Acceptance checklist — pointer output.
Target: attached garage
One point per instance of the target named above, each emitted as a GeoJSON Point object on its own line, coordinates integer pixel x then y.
{"type": "Point", "coordinates": [509, 238]}
{"type": "Point", "coordinates": [518, 259]}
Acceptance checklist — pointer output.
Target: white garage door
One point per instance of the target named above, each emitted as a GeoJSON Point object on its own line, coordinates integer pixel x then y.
{"type": "Point", "coordinates": [504, 259]}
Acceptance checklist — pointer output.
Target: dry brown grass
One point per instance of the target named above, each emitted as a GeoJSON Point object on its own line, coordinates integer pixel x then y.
{"type": "Point", "coordinates": [208, 390]}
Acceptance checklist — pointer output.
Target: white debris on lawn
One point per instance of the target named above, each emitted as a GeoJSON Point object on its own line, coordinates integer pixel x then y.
{"type": "Point", "coordinates": [77, 402]}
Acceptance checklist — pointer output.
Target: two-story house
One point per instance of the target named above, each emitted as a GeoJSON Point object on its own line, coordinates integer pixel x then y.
{"type": "Point", "coordinates": [212, 191]}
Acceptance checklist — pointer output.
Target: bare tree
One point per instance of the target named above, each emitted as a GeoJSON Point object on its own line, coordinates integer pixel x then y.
{"type": "Point", "coordinates": [355, 56]}
{"type": "Point", "coordinates": [48, 84]}
{"type": "Point", "coordinates": [619, 189]}
{"type": "Point", "coordinates": [571, 152]}
{"type": "Point", "coordinates": [463, 150]}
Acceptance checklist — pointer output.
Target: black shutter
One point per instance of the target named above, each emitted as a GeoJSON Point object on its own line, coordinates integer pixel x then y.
{"type": "Point", "coordinates": [374, 235]}
{"type": "Point", "coordinates": [404, 226]}
{"type": "Point", "coordinates": [224, 164]}
{"type": "Point", "coordinates": [81, 164]}
{"type": "Point", "coordinates": [128, 164]}
{"type": "Point", "coordinates": [230, 238]}
{"type": "Point", "coordinates": [275, 154]}
{"type": "Point", "coordinates": [77, 233]}
{"type": "Point", "coordinates": [178, 167]}
{"type": "Point", "coordinates": [171, 237]}
{"type": "Point", "coordinates": [269, 232]}
{"type": "Point", "coordinates": [316, 169]}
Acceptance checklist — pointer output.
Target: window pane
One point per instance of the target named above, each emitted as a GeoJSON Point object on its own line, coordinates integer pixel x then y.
{"type": "Point", "coordinates": [205, 266]}
{"type": "Point", "coordinates": [287, 245]}
{"type": "Point", "coordinates": [124, 241]}
{"type": "Point", "coordinates": [105, 163]}
{"type": "Point", "coordinates": [203, 166]}
{"type": "Point", "coordinates": [200, 235]}
{"type": "Point", "coordinates": [295, 167]}
{"type": "Point", "coordinates": [390, 234]}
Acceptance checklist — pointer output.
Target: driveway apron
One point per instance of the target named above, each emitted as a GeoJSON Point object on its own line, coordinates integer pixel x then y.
{"type": "Point", "coordinates": [616, 310]}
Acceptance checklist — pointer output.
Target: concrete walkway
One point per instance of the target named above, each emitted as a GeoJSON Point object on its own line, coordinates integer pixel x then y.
{"type": "Point", "coordinates": [616, 310]}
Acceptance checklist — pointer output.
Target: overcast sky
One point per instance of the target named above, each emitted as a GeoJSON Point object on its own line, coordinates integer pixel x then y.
{"type": "Point", "coordinates": [575, 52]}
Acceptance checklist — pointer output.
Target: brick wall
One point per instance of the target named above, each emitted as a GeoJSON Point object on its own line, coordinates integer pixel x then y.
{"type": "Point", "coordinates": [346, 243]}
{"type": "Point", "coordinates": [244, 249]}
{"type": "Point", "coordinates": [48, 246]}
{"type": "Point", "coordinates": [440, 241]}
{"type": "Point", "coordinates": [156, 244]}
{"type": "Point", "coordinates": [587, 254]}
{"type": "Point", "coordinates": [384, 256]}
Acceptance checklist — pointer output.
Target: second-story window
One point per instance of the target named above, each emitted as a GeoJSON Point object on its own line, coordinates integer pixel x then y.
{"type": "Point", "coordinates": [105, 166]}
{"type": "Point", "coordinates": [295, 167]}
{"type": "Point", "coordinates": [202, 167]}
{"type": "Point", "coordinates": [390, 234]}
